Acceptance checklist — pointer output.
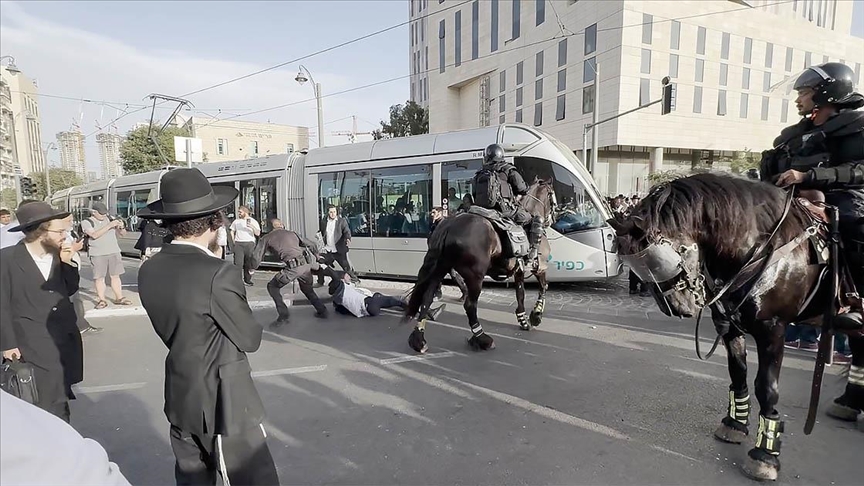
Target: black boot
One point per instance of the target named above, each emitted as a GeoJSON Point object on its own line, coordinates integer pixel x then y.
{"type": "Point", "coordinates": [535, 233]}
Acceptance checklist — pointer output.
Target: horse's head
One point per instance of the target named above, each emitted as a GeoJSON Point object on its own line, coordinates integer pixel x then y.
{"type": "Point", "coordinates": [540, 200]}
{"type": "Point", "coordinates": [668, 260]}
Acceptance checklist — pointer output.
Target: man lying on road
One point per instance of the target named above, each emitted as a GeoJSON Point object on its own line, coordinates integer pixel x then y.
{"type": "Point", "coordinates": [352, 300]}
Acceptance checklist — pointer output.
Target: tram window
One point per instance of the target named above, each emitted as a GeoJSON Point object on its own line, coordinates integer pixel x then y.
{"type": "Point", "coordinates": [124, 208]}
{"type": "Point", "coordinates": [403, 197]}
{"type": "Point", "coordinates": [229, 210]}
{"type": "Point", "coordinates": [576, 210]}
{"type": "Point", "coordinates": [140, 199]}
{"type": "Point", "coordinates": [456, 183]}
{"type": "Point", "coordinates": [349, 192]}
{"type": "Point", "coordinates": [259, 195]}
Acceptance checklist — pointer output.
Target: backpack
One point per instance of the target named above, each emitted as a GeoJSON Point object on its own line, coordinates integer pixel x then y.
{"type": "Point", "coordinates": [85, 240]}
{"type": "Point", "coordinates": [487, 188]}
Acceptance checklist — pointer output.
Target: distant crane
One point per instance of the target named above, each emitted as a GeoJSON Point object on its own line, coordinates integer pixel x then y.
{"type": "Point", "coordinates": [352, 135]}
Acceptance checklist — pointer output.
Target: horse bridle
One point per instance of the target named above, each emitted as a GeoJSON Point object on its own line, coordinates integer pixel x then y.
{"type": "Point", "coordinates": [547, 205]}
{"type": "Point", "coordinates": [666, 266]}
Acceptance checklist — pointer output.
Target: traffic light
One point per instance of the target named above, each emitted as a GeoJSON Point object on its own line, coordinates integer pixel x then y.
{"type": "Point", "coordinates": [28, 188]}
{"type": "Point", "coordinates": [668, 104]}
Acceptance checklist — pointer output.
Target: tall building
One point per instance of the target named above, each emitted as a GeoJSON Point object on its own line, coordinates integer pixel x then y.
{"type": "Point", "coordinates": [71, 146]}
{"type": "Point", "coordinates": [21, 139]}
{"type": "Point", "coordinates": [226, 140]}
{"type": "Point", "coordinates": [8, 154]}
{"type": "Point", "coordinates": [535, 62]}
{"type": "Point", "coordinates": [109, 154]}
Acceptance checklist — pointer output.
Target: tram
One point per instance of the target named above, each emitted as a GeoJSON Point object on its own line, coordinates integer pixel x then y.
{"type": "Point", "coordinates": [386, 189]}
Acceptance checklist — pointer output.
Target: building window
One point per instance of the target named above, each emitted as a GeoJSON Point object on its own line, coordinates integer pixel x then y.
{"type": "Point", "coordinates": [541, 11]}
{"type": "Point", "coordinates": [560, 107]}
{"type": "Point", "coordinates": [644, 91]}
{"type": "Point", "coordinates": [426, 89]}
{"type": "Point", "coordinates": [502, 81]}
{"type": "Point", "coordinates": [254, 149]}
{"type": "Point", "coordinates": [475, 29]}
{"type": "Point", "coordinates": [700, 70]}
{"type": "Point", "coordinates": [562, 53]}
{"type": "Point", "coordinates": [748, 50]}
{"type": "Point", "coordinates": [807, 59]}
{"type": "Point", "coordinates": [646, 61]}
{"type": "Point", "coordinates": [221, 146]}
{"type": "Point", "coordinates": [700, 40]}
{"type": "Point", "coordinates": [426, 58]}
{"type": "Point", "coordinates": [520, 71]}
{"type": "Point", "coordinates": [745, 100]}
{"type": "Point", "coordinates": [588, 70]}
{"type": "Point", "coordinates": [441, 46]}
{"type": "Point", "coordinates": [724, 47]}
{"type": "Point", "coordinates": [519, 115]}
{"type": "Point", "coordinates": [745, 79]}
{"type": "Point", "coordinates": [538, 64]}
{"type": "Point", "coordinates": [519, 96]}
{"type": "Point", "coordinates": [769, 55]}
{"type": "Point", "coordinates": [675, 42]}
{"type": "Point", "coordinates": [493, 35]}
{"type": "Point", "coordinates": [721, 103]}
{"type": "Point", "coordinates": [562, 80]}
{"type": "Point", "coordinates": [724, 74]}
{"type": "Point", "coordinates": [502, 119]}
{"type": "Point", "coordinates": [765, 104]}
{"type": "Point", "coordinates": [517, 17]}
{"type": "Point", "coordinates": [538, 89]}
{"type": "Point", "coordinates": [788, 59]}
{"type": "Point", "coordinates": [289, 148]}
{"type": "Point", "coordinates": [587, 99]}
{"type": "Point", "coordinates": [784, 111]}
{"type": "Point", "coordinates": [590, 39]}
{"type": "Point", "coordinates": [766, 82]}
{"type": "Point", "coordinates": [457, 40]}
{"type": "Point", "coordinates": [538, 114]}
{"type": "Point", "coordinates": [502, 103]}
{"type": "Point", "coordinates": [673, 65]}
{"type": "Point", "coordinates": [647, 29]}
{"type": "Point", "coordinates": [697, 99]}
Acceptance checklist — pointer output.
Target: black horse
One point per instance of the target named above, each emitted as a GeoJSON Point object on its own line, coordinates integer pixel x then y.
{"type": "Point", "coordinates": [691, 237]}
{"type": "Point", "coordinates": [470, 244]}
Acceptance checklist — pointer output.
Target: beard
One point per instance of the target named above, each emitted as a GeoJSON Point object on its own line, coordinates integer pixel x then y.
{"type": "Point", "coordinates": [51, 246]}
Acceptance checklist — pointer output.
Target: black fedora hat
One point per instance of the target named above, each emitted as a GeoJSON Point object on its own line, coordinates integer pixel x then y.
{"type": "Point", "coordinates": [35, 213]}
{"type": "Point", "coordinates": [186, 193]}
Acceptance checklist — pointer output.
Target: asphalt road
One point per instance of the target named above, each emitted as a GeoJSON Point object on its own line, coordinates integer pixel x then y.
{"type": "Point", "coordinates": [585, 399]}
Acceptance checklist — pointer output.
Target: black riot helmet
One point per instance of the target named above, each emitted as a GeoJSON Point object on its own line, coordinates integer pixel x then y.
{"type": "Point", "coordinates": [831, 82]}
{"type": "Point", "coordinates": [494, 153]}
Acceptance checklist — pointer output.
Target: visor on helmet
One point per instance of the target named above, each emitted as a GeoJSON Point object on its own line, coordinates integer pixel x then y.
{"type": "Point", "coordinates": [791, 82]}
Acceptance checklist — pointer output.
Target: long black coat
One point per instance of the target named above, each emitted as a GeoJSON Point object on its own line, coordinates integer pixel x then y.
{"type": "Point", "coordinates": [197, 305]}
{"type": "Point", "coordinates": [37, 317]}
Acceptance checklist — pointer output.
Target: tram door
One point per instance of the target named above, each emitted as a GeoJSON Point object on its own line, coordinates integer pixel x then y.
{"type": "Point", "coordinates": [348, 191]}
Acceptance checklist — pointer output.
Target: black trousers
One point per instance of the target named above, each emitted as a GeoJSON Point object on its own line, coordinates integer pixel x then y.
{"type": "Point", "coordinates": [245, 458]}
{"type": "Point", "coordinates": [60, 409]}
{"type": "Point", "coordinates": [79, 312]}
{"type": "Point", "coordinates": [303, 275]}
{"type": "Point", "coordinates": [341, 259]}
{"type": "Point", "coordinates": [374, 304]}
{"type": "Point", "coordinates": [243, 258]}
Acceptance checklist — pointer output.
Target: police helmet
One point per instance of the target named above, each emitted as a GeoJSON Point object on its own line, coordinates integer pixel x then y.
{"type": "Point", "coordinates": [494, 153]}
{"type": "Point", "coordinates": [832, 83]}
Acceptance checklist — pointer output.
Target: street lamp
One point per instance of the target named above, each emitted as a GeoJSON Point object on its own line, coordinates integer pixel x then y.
{"type": "Point", "coordinates": [11, 67]}
{"type": "Point", "coordinates": [302, 78]}
{"type": "Point", "coordinates": [48, 147]}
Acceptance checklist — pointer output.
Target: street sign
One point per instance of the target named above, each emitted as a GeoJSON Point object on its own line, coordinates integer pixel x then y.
{"type": "Point", "coordinates": [193, 145]}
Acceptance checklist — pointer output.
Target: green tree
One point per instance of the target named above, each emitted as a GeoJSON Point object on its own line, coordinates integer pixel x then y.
{"type": "Point", "coordinates": [138, 153]}
{"type": "Point", "coordinates": [60, 179]}
{"type": "Point", "coordinates": [8, 199]}
{"type": "Point", "coordinates": [405, 120]}
{"type": "Point", "coordinates": [745, 160]}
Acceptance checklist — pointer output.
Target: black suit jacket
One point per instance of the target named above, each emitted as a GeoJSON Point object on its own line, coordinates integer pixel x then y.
{"type": "Point", "coordinates": [197, 305]}
{"type": "Point", "coordinates": [37, 317]}
{"type": "Point", "coordinates": [342, 234]}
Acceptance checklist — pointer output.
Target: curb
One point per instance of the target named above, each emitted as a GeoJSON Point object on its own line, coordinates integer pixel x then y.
{"type": "Point", "coordinates": [139, 310]}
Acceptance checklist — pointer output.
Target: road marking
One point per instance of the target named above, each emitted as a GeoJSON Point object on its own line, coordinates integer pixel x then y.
{"type": "Point", "coordinates": [696, 374]}
{"type": "Point", "coordinates": [289, 371]}
{"type": "Point", "coordinates": [86, 390]}
{"type": "Point", "coordinates": [422, 357]}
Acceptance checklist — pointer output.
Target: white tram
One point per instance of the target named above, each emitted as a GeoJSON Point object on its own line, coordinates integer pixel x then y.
{"type": "Point", "coordinates": [385, 189]}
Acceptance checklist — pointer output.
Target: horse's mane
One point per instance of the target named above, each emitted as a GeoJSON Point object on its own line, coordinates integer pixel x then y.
{"type": "Point", "coordinates": [536, 189]}
{"type": "Point", "coordinates": [723, 212]}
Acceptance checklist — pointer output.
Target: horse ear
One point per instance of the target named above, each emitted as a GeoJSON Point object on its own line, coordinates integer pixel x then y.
{"type": "Point", "coordinates": [548, 181]}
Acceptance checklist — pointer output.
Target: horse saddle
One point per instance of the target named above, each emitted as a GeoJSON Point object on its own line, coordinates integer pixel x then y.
{"type": "Point", "coordinates": [514, 240]}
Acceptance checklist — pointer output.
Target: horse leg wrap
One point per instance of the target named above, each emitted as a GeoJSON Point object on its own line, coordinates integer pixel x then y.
{"type": "Point", "coordinates": [538, 307]}
{"type": "Point", "coordinates": [739, 408]}
{"type": "Point", "coordinates": [856, 375]}
{"type": "Point", "coordinates": [523, 321]}
{"type": "Point", "coordinates": [768, 435]}
{"type": "Point", "coordinates": [476, 329]}
{"type": "Point", "coordinates": [421, 325]}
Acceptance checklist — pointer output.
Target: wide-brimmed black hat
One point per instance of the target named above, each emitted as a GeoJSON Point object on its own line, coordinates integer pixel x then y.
{"type": "Point", "coordinates": [186, 193]}
{"type": "Point", "coordinates": [33, 214]}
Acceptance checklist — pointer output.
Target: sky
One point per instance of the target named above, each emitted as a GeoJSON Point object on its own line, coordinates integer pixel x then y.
{"type": "Point", "coordinates": [121, 51]}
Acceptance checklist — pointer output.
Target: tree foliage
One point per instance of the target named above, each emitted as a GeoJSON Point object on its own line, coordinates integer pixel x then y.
{"type": "Point", "coordinates": [405, 120]}
{"type": "Point", "coordinates": [138, 153]}
{"type": "Point", "coordinates": [8, 199]}
{"type": "Point", "coordinates": [745, 160]}
{"type": "Point", "coordinates": [60, 179]}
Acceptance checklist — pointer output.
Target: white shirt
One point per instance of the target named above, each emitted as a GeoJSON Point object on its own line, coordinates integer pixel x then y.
{"type": "Point", "coordinates": [8, 238]}
{"type": "Point", "coordinates": [39, 448]}
{"type": "Point", "coordinates": [329, 244]}
{"type": "Point", "coordinates": [196, 245]}
{"type": "Point", "coordinates": [354, 300]}
{"type": "Point", "coordinates": [242, 234]}
{"type": "Point", "coordinates": [44, 262]}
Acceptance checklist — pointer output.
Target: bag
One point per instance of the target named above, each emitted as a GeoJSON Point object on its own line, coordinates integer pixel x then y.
{"type": "Point", "coordinates": [487, 188]}
{"type": "Point", "coordinates": [17, 378]}
{"type": "Point", "coordinates": [85, 240]}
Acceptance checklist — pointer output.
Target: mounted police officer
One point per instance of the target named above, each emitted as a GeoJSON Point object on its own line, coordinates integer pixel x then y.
{"type": "Point", "coordinates": [499, 185]}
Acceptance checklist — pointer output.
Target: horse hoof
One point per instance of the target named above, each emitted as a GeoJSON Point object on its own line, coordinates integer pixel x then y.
{"type": "Point", "coordinates": [525, 326]}
{"type": "Point", "coordinates": [481, 342]}
{"type": "Point", "coordinates": [758, 469]}
{"type": "Point", "coordinates": [417, 341]}
{"type": "Point", "coordinates": [842, 412]}
{"type": "Point", "coordinates": [536, 318]}
{"type": "Point", "coordinates": [730, 434]}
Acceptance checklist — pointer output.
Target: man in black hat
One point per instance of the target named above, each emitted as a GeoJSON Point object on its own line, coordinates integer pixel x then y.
{"type": "Point", "coordinates": [197, 304]}
{"type": "Point", "coordinates": [37, 318]}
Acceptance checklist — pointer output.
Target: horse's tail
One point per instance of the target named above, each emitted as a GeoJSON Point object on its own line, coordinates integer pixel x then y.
{"type": "Point", "coordinates": [431, 273]}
